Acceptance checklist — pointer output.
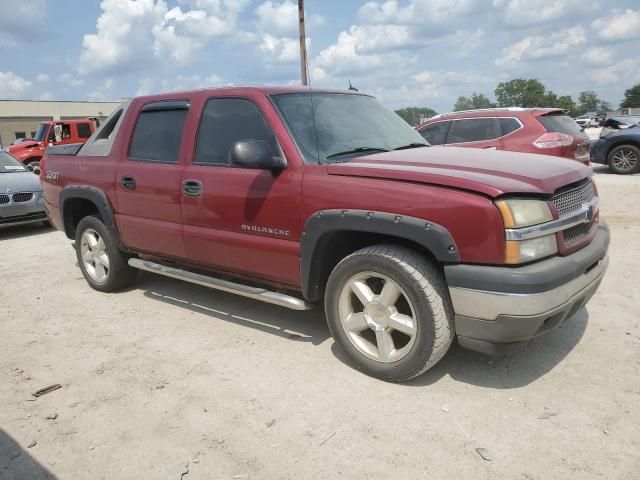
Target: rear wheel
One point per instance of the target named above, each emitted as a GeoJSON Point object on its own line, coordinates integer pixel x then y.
{"type": "Point", "coordinates": [624, 159]}
{"type": "Point", "coordinates": [388, 308]}
{"type": "Point", "coordinates": [103, 265]}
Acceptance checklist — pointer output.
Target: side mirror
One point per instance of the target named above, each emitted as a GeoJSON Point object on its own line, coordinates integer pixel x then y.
{"type": "Point", "coordinates": [57, 129]}
{"type": "Point", "coordinates": [254, 154]}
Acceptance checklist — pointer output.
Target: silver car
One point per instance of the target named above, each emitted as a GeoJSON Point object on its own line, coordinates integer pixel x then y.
{"type": "Point", "coordinates": [21, 198]}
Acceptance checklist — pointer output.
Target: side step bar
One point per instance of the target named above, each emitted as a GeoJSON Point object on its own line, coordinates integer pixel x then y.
{"type": "Point", "coordinates": [244, 290]}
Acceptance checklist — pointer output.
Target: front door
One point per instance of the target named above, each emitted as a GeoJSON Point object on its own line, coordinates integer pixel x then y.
{"type": "Point", "coordinates": [148, 181]}
{"type": "Point", "coordinates": [239, 220]}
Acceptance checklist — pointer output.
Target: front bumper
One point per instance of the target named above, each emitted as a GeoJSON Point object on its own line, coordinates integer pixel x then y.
{"type": "Point", "coordinates": [18, 213]}
{"type": "Point", "coordinates": [498, 308]}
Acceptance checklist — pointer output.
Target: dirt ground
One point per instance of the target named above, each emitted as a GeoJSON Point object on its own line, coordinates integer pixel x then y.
{"type": "Point", "coordinates": [169, 381]}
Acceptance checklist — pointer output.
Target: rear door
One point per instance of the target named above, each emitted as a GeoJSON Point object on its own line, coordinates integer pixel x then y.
{"type": "Point", "coordinates": [481, 132]}
{"type": "Point", "coordinates": [240, 220]}
{"type": "Point", "coordinates": [435, 133]}
{"type": "Point", "coordinates": [148, 181]}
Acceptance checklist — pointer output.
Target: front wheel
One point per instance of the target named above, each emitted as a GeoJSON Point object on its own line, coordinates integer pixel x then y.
{"type": "Point", "coordinates": [103, 265]}
{"type": "Point", "coordinates": [388, 307]}
{"type": "Point", "coordinates": [624, 159]}
{"type": "Point", "coordinates": [34, 166]}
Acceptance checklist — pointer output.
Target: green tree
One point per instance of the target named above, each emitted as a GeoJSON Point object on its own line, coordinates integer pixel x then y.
{"type": "Point", "coordinates": [566, 103]}
{"type": "Point", "coordinates": [588, 101]}
{"type": "Point", "coordinates": [631, 97]}
{"type": "Point", "coordinates": [412, 115]}
{"type": "Point", "coordinates": [520, 93]}
{"type": "Point", "coordinates": [476, 101]}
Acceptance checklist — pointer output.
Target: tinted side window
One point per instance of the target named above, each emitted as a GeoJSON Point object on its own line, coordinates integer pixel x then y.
{"type": "Point", "coordinates": [435, 133]}
{"type": "Point", "coordinates": [508, 125]}
{"type": "Point", "coordinates": [157, 135]}
{"type": "Point", "coordinates": [473, 130]}
{"type": "Point", "coordinates": [226, 121]}
{"type": "Point", "coordinates": [84, 131]}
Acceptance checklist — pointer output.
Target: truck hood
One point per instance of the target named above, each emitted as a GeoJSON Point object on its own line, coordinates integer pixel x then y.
{"type": "Point", "coordinates": [492, 173]}
{"type": "Point", "coordinates": [23, 147]}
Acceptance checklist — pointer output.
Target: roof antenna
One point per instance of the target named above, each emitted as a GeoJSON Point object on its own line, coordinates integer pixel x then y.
{"type": "Point", "coordinates": [352, 88]}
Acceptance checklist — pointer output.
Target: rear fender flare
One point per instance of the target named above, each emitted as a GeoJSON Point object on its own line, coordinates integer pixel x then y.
{"type": "Point", "coordinates": [432, 236]}
{"type": "Point", "coordinates": [95, 196]}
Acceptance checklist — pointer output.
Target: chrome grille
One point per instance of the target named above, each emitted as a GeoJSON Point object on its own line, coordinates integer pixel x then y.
{"type": "Point", "coordinates": [4, 199]}
{"type": "Point", "coordinates": [571, 200]}
{"type": "Point", "coordinates": [576, 233]}
{"type": "Point", "coordinates": [22, 197]}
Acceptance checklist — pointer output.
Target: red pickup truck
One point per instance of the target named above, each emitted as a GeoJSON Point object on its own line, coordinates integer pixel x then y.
{"type": "Point", "coordinates": [295, 197]}
{"type": "Point", "coordinates": [63, 132]}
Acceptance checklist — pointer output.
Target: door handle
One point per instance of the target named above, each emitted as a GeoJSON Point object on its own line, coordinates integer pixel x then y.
{"type": "Point", "coordinates": [490, 148]}
{"type": "Point", "coordinates": [192, 187]}
{"type": "Point", "coordinates": [128, 182]}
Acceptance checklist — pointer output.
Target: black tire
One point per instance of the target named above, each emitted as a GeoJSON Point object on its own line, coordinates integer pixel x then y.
{"type": "Point", "coordinates": [33, 164]}
{"type": "Point", "coordinates": [119, 274]}
{"type": "Point", "coordinates": [424, 291]}
{"type": "Point", "coordinates": [624, 167]}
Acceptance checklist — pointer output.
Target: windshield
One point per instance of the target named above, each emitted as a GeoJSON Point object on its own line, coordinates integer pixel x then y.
{"type": "Point", "coordinates": [41, 133]}
{"type": "Point", "coordinates": [8, 164]}
{"type": "Point", "coordinates": [345, 125]}
{"type": "Point", "coordinates": [560, 124]}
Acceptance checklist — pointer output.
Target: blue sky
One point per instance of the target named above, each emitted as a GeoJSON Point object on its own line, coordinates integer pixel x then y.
{"type": "Point", "coordinates": [406, 52]}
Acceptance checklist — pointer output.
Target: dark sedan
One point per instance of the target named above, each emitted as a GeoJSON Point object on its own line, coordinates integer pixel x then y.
{"type": "Point", "coordinates": [619, 145]}
{"type": "Point", "coordinates": [21, 198]}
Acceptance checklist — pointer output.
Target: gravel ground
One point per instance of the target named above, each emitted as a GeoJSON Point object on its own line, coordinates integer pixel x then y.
{"type": "Point", "coordinates": [169, 381]}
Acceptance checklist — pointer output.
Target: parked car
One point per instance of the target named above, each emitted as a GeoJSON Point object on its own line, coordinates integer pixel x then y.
{"type": "Point", "coordinates": [21, 198]}
{"type": "Point", "coordinates": [619, 145]}
{"type": "Point", "coordinates": [66, 132]}
{"type": "Point", "coordinates": [588, 120]}
{"type": "Point", "coordinates": [547, 131]}
{"type": "Point", "coordinates": [305, 197]}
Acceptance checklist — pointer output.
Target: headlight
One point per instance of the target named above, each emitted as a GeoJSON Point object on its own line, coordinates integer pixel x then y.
{"type": "Point", "coordinates": [522, 251]}
{"type": "Point", "coordinates": [523, 212]}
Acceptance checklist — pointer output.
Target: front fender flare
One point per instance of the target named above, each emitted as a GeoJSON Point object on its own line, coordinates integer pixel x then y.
{"type": "Point", "coordinates": [432, 236]}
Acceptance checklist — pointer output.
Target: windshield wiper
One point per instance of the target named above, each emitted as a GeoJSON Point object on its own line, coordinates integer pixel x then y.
{"type": "Point", "coordinates": [357, 150]}
{"type": "Point", "coordinates": [412, 145]}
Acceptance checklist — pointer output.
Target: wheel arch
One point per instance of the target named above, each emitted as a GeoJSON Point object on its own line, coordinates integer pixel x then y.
{"type": "Point", "coordinates": [331, 235]}
{"type": "Point", "coordinates": [79, 201]}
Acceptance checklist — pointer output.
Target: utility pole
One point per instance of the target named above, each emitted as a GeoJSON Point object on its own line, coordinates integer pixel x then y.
{"type": "Point", "coordinates": [303, 43]}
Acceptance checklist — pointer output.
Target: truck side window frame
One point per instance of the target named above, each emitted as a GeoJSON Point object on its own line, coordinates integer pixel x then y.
{"type": "Point", "coordinates": [278, 152]}
{"type": "Point", "coordinates": [158, 108]}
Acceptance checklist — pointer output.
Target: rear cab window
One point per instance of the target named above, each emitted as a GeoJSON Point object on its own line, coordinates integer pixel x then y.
{"type": "Point", "coordinates": [84, 130]}
{"type": "Point", "coordinates": [157, 134]}
{"type": "Point", "coordinates": [559, 123]}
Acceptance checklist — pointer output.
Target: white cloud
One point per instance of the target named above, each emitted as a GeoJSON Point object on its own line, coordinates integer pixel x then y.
{"type": "Point", "coordinates": [104, 91]}
{"type": "Point", "coordinates": [278, 18]}
{"type": "Point", "coordinates": [281, 50]}
{"type": "Point", "coordinates": [42, 78]}
{"type": "Point", "coordinates": [417, 12]}
{"type": "Point", "coordinates": [537, 47]}
{"type": "Point", "coordinates": [622, 73]}
{"type": "Point", "coordinates": [12, 85]}
{"type": "Point", "coordinates": [133, 33]}
{"type": "Point", "coordinates": [532, 12]}
{"type": "Point", "coordinates": [619, 25]}
{"type": "Point", "coordinates": [598, 56]}
{"type": "Point", "coordinates": [46, 96]}
{"type": "Point", "coordinates": [148, 86]}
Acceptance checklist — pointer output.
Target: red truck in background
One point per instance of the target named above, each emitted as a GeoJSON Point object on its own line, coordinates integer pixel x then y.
{"type": "Point", "coordinates": [296, 197]}
{"type": "Point", "coordinates": [60, 132]}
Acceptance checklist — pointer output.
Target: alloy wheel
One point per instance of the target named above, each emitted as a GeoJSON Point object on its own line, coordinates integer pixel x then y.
{"type": "Point", "coordinates": [378, 317]}
{"type": "Point", "coordinates": [94, 255]}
